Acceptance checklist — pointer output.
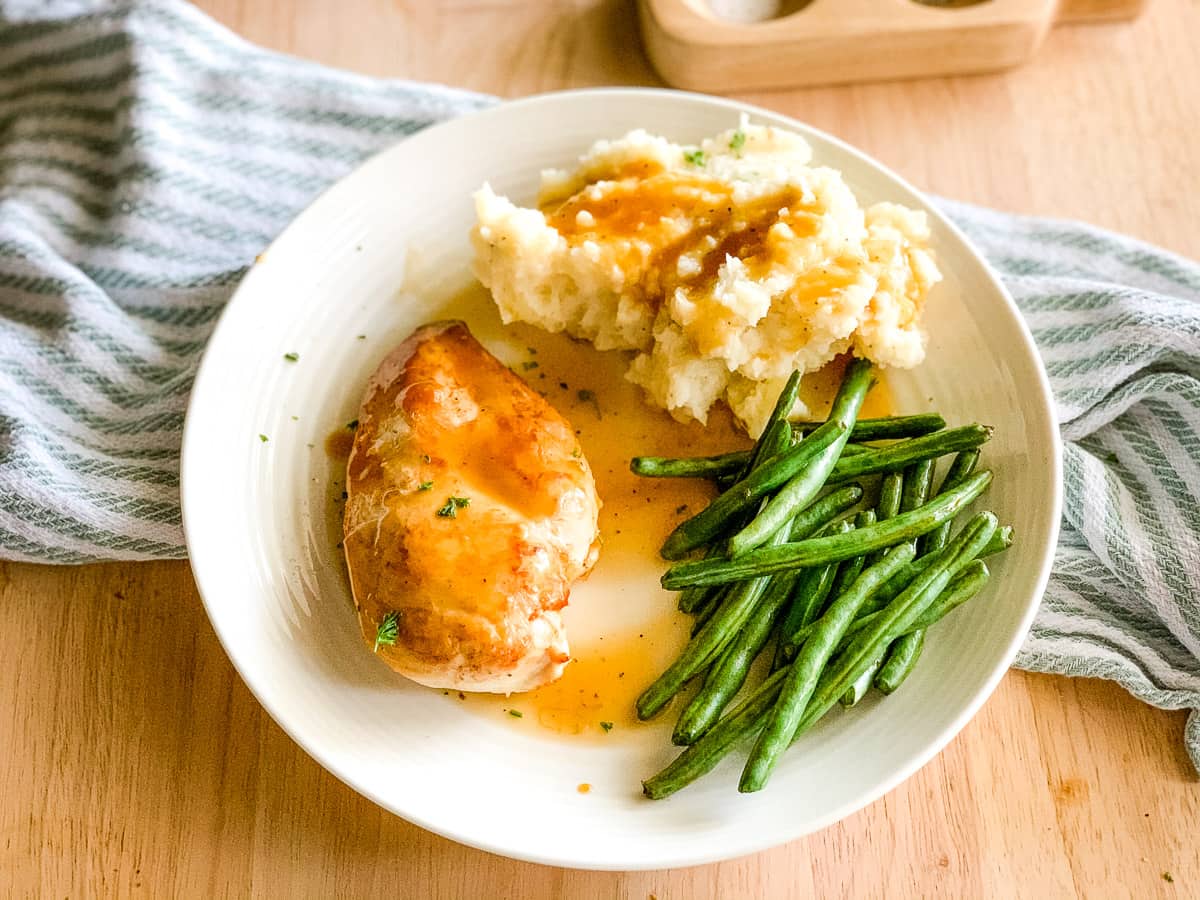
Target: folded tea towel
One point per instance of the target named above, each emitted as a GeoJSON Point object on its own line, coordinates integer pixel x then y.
{"type": "Point", "coordinates": [147, 155]}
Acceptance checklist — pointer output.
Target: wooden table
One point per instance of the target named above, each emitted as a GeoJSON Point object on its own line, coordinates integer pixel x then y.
{"type": "Point", "coordinates": [134, 761]}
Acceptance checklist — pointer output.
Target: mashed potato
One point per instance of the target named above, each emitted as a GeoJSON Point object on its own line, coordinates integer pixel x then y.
{"type": "Point", "coordinates": [724, 267]}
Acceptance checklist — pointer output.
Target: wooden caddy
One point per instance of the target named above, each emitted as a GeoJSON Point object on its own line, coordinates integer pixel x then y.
{"type": "Point", "coordinates": [834, 41]}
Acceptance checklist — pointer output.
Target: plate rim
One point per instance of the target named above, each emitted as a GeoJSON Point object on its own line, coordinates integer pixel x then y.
{"type": "Point", "coordinates": [514, 851]}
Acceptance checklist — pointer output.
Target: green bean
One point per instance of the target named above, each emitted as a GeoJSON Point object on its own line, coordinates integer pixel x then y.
{"type": "Point", "coordinates": [962, 587]}
{"type": "Point", "coordinates": [747, 718]}
{"type": "Point", "coordinates": [800, 490]}
{"type": "Point", "coordinates": [891, 489]}
{"type": "Point", "coordinates": [899, 616]}
{"type": "Point", "coordinates": [724, 464]}
{"type": "Point", "coordinates": [901, 660]}
{"type": "Point", "coordinates": [999, 542]}
{"type": "Point", "coordinates": [960, 469]}
{"type": "Point", "coordinates": [702, 757]}
{"type": "Point", "coordinates": [861, 687]}
{"type": "Point", "coordinates": [918, 482]}
{"type": "Point", "coordinates": [918, 479]}
{"type": "Point", "coordinates": [723, 468]}
{"type": "Point", "coordinates": [772, 442]}
{"type": "Point", "coordinates": [903, 655]}
{"type": "Point", "coordinates": [693, 600]}
{"type": "Point", "coordinates": [727, 675]}
{"type": "Point", "coordinates": [776, 438]}
{"type": "Point", "coordinates": [712, 638]}
{"type": "Point", "coordinates": [889, 427]}
{"type": "Point", "coordinates": [697, 598]}
{"type": "Point", "coordinates": [811, 520]}
{"type": "Point", "coordinates": [710, 597]}
{"type": "Point", "coordinates": [708, 611]}
{"type": "Point", "coordinates": [714, 518]}
{"type": "Point", "coordinates": [850, 569]}
{"type": "Point", "coordinates": [969, 581]}
{"type": "Point", "coordinates": [689, 467]}
{"type": "Point", "coordinates": [902, 453]}
{"type": "Point", "coordinates": [729, 464]}
{"type": "Point", "coordinates": [965, 585]}
{"type": "Point", "coordinates": [710, 641]}
{"type": "Point", "coordinates": [804, 673]}
{"type": "Point", "coordinates": [812, 588]}
{"type": "Point", "coordinates": [834, 548]}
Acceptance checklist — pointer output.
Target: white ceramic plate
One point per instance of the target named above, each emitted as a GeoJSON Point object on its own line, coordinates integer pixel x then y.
{"type": "Point", "coordinates": [385, 250]}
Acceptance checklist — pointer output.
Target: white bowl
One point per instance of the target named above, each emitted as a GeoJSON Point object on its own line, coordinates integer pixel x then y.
{"type": "Point", "coordinates": [381, 252]}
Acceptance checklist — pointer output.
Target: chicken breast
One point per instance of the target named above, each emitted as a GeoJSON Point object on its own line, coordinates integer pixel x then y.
{"type": "Point", "coordinates": [471, 510]}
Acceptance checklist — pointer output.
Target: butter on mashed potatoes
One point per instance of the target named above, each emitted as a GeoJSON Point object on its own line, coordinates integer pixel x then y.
{"type": "Point", "coordinates": [724, 267]}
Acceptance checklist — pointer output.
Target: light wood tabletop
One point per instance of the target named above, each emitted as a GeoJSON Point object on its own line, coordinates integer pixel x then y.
{"type": "Point", "coordinates": [133, 761]}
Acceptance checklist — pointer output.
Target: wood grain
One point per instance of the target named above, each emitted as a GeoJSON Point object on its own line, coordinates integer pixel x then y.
{"type": "Point", "coordinates": [748, 44]}
{"type": "Point", "coordinates": [133, 762]}
{"type": "Point", "coordinates": [1098, 10]}
{"type": "Point", "coordinates": [838, 42]}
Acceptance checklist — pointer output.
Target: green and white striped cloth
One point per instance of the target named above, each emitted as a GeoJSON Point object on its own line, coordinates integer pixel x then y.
{"type": "Point", "coordinates": [147, 155]}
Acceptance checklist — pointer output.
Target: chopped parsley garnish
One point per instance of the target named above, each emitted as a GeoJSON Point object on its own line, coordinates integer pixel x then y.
{"type": "Point", "coordinates": [361, 337]}
{"type": "Point", "coordinates": [352, 424]}
{"type": "Point", "coordinates": [516, 714]}
{"type": "Point", "coordinates": [292, 357]}
{"type": "Point", "coordinates": [695, 157]}
{"type": "Point", "coordinates": [263, 438]}
{"type": "Point", "coordinates": [424, 485]}
{"type": "Point", "coordinates": [738, 141]}
{"type": "Point", "coordinates": [531, 364]}
{"type": "Point", "coordinates": [607, 726]}
{"type": "Point", "coordinates": [452, 506]}
{"type": "Point", "coordinates": [388, 630]}
{"type": "Point", "coordinates": [1168, 877]}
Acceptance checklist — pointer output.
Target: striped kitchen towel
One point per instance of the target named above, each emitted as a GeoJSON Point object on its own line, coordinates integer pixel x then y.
{"type": "Point", "coordinates": [147, 155]}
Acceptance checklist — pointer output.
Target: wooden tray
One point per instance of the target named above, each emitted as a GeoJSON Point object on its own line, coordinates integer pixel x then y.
{"type": "Point", "coordinates": [832, 41]}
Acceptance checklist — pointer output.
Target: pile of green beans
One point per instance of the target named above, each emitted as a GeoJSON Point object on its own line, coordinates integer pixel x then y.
{"type": "Point", "coordinates": [796, 566]}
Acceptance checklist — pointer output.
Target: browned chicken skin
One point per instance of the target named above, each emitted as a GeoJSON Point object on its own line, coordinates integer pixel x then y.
{"type": "Point", "coordinates": [471, 511]}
